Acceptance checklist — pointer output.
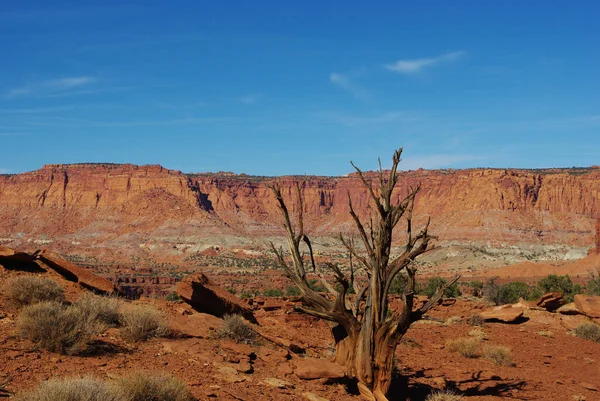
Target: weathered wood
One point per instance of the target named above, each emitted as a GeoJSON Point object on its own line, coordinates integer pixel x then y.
{"type": "Point", "coordinates": [365, 333]}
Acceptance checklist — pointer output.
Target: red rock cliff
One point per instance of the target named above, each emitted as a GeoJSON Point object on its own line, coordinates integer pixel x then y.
{"type": "Point", "coordinates": [107, 201]}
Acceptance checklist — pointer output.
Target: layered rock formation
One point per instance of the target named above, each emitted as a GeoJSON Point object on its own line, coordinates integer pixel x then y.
{"type": "Point", "coordinates": [108, 204]}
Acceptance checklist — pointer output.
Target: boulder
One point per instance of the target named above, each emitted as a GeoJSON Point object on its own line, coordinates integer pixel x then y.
{"type": "Point", "coordinates": [310, 369]}
{"type": "Point", "coordinates": [551, 301]}
{"type": "Point", "coordinates": [204, 296]}
{"type": "Point", "coordinates": [72, 272]}
{"type": "Point", "coordinates": [569, 309]}
{"type": "Point", "coordinates": [12, 259]}
{"type": "Point", "coordinates": [200, 325]}
{"type": "Point", "coordinates": [504, 313]}
{"type": "Point", "coordinates": [588, 305]}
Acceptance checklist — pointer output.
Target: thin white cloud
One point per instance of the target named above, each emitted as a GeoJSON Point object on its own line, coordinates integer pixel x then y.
{"type": "Point", "coordinates": [412, 66]}
{"type": "Point", "coordinates": [435, 161]}
{"type": "Point", "coordinates": [345, 81]}
{"type": "Point", "coordinates": [50, 87]}
{"type": "Point", "coordinates": [249, 99]}
{"type": "Point", "coordinates": [4, 170]}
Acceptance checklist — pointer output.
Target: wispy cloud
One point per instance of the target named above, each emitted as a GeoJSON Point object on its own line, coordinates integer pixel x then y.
{"type": "Point", "coordinates": [411, 66]}
{"type": "Point", "coordinates": [249, 99]}
{"type": "Point", "coordinates": [436, 161]}
{"type": "Point", "coordinates": [346, 82]}
{"type": "Point", "coordinates": [50, 87]}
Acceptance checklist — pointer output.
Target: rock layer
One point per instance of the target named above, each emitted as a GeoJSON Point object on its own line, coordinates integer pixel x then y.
{"type": "Point", "coordinates": [79, 203]}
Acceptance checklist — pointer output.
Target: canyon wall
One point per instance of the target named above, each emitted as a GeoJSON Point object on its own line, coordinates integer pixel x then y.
{"type": "Point", "coordinates": [111, 204]}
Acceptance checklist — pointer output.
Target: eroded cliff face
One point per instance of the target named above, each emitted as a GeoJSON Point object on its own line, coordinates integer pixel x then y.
{"type": "Point", "coordinates": [106, 204]}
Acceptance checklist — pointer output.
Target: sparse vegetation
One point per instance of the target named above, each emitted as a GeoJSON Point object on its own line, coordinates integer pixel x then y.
{"type": "Point", "coordinates": [435, 283]}
{"type": "Point", "coordinates": [105, 309]}
{"type": "Point", "coordinates": [505, 294]}
{"type": "Point", "coordinates": [593, 285]}
{"type": "Point", "coordinates": [399, 284]}
{"type": "Point", "coordinates": [145, 386]}
{"type": "Point", "coordinates": [141, 386]}
{"type": "Point", "coordinates": [235, 328]}
{"type": "Point", "coordinates": [472, 347]}
{"type": "Point", "coordinates": [475, 320]}
{"type": "Point", "coordinates": [588, 331]}
{"type": "Point", "coordinates": [71, 389]}
{"type": "Point", "coordinates": [273, 292]}
{"type": "Point", "coordinates": [465, 346]}
{"type": "Point", "coordinates": [142, 322]}
{"type": "Point", "coordinates": [292, 291]}
{"type": "Point", "coordinates": [498, 354]}
{"type": "Point", "coordinates": [444, 395]}
{"type": "Point", "coordinates": [59, 328]}
{"type": "Point", "coordinates": [27, 290]}
{"type": "Point", "coordinates": [554, 283]}
{"type": "Point", "coordinates": [546, 333]}
{"type": "Point", "coordinates": [172, 297]}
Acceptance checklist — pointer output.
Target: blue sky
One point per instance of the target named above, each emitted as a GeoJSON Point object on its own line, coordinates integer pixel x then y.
{"type": "Point", "coordinates": [279, 87]}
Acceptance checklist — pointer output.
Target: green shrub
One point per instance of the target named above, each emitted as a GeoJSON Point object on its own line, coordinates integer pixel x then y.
{"type": "Point", "coordinates": [588, 331]}
{"type": "Point", "coordinates": [71, 389]}
{"type": "Point", "coordinates": [105, 309]}
{"type": "Point", "coordinates": [273, 292]}
{"type": "Point", "coordinates": [399, 284]}
{"type": "Point", "coordinates": [593, 285]}
{"type": "Point", "coordinates": [27, 290]}
{"type": "Point", "coordinates": [142, 322]}
{"type": "Point", "coordinates": [434, 283]}
{"type": "Point", "coordinates": [562, 284]}
{"type": "Point", "coordinates": [235, 328]}
{"type": "Point", "coordinates": [292, 291]}
{"type": "Point", "coordinates": [145, 386]}
{"type": "Point", "coordinates": [59, 328]}
{"type": "Point", "coordinates": [316, 286]}
{"type": "Point", "coordinates": [172, 297]}
{"type": "Point", "coordinates": [507, 293]}
{"type": "Point", "coordinates": [476, 287]}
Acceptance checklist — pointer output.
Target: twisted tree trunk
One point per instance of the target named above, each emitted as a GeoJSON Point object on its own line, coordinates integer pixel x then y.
{"type": "Point", "coordinates": [366, 334]}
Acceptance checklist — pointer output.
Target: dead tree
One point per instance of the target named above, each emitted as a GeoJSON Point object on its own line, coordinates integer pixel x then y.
{"type": "Point", "coordinates": [365, 331]}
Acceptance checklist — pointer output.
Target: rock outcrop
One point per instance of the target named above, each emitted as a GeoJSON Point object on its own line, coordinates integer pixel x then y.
{"type": "Point", "coordinates": [551, 301]}
{"type": "Point", "coordinates": [206, 297]}
{"type": "Point", "coordinates": [310, 369]}
{"type": "Point", "coordinates": [94, 200]}
{"type": "Point", "coordinates": [504, 314]}
{"type": "Point", "coordinates": [588, 305]}
{"type": "Point", "coordinates": [72, 272]}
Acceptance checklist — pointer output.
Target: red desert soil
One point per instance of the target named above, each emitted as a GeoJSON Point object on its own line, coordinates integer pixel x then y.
{"type": "Point", "coordinates": [545, 368]}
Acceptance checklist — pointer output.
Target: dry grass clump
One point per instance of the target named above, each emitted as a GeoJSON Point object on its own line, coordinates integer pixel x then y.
{"type": "Point", "coordinates": [546, 333]}
{"type": "Point", "coordinates": [141, 386]}
{"type": "Point", "coordinates": [452, 320]}
{"type": "Point", "coordinates": [465, 346]}
{"type": "Point", "coordinates": [235, 328]}
{"type": "Point", "coordinates": [146, 386]}
{"type": "Point", "coordinates": [142, 322]}
{"type": "Point", "coordinates": [498, 354]}
{"type": "Point", "coordinates": [471, 347]}
{"type": "Point", "coordinates": [58, 328]}
{"type": "Point", "coordinates": [588, 331]}
{"type": "Point", "coordinates": [444, 395]}
{"type": "Point", "coordinates": [475, 320]}
{"type": "Point", "coordinates": [105, 309]}
{"type": "Point", "coordinates": [71, 389]}
{"type": "Point", "coordinates": [478, 333]}
{"type": "Point", "coordinates": [28, 290]}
